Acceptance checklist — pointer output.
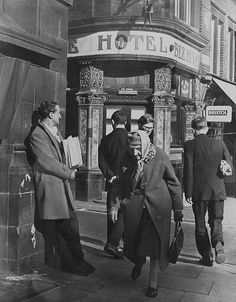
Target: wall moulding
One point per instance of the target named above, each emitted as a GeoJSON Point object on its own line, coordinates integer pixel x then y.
{"type": "Point", "coordinates": [90, 98]}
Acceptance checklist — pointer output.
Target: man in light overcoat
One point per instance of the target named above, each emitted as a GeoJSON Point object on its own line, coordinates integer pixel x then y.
{"type": "Point", "coordinates": [55, 217]}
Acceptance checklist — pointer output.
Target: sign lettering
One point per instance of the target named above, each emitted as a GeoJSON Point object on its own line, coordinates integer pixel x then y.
{"type": "Point", "coordinates": [140, 43]}
{"type": "Point", "coordinates": [218, 113]}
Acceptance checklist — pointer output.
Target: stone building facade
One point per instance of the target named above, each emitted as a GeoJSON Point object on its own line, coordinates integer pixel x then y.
{"type": "Point", "coordinates": [118, 57]}
{"type": "Point", "coordinates": [33, 65]}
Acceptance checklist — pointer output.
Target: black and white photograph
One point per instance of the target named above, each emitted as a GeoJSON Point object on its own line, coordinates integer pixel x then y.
{"type": "Point", "coordinates": [117, 150]}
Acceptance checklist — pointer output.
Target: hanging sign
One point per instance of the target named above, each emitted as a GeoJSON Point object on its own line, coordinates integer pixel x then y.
{"type": "Point", "coordinates": [218, 114]}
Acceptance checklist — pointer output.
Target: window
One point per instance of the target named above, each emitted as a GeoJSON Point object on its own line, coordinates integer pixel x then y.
{"type": "Point", "coordinates": [216, 64]}
{"type": "Point", "coordinates": [219, 49]}
{"type": "Point", "coordinates": [213, 46]}
{"type": "Point", "coordinates": [231, 54]}
{"type": "Point", "coordinates": [177, 125]}
{"type": "Point", "coordinates": [133, 114]}
{"type": "Point", "coordinates": [184, 86]}
{"type": "Point", "coordinates": [187, 11]}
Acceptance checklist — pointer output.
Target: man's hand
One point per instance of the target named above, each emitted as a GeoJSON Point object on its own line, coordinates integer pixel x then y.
{"type": "Point", "coordinates": [189, 200]}
{"type": "Point", "coordinates": [113, 214]}
{"type": "Point", "coordinates": [178, 215]}
{"type": "Point", "coordinates": [74, 174]}
{"type": "Point", "coordinates": [112, 179]}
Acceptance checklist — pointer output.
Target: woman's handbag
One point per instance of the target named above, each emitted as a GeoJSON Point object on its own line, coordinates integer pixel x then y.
{"type": "Point", "coordinates": [177, 243]}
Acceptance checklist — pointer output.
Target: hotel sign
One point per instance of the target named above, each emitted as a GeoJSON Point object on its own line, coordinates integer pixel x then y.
{"type": "Point", "coordinates": [219, 113]}
{"type": "Point", "coordinates": [138, 43]}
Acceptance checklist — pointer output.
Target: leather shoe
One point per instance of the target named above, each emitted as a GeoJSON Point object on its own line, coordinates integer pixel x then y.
{"type": "Point", "coordinates": [136, 271]}
{"type": "Point", "coordinates": [151, 292]}
{"type": "Point", "coordinates": [113, 251]}
{"type": "Point", "coordinates": [219, 252]}
{"type": "Point", "coordinates": [207, 261]}
{"type": "Point", "coordinates": [87, 266]}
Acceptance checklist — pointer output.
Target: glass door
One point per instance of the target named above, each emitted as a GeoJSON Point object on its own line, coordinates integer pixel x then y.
{"type": "Point", "coordinates": [133, 114]}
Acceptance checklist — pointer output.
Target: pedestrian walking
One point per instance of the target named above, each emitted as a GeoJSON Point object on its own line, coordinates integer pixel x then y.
{"type": "Point", "coordinates": [55, 217]}
{"type": "Point", "coordinates": [146, 191]}
{"type": "Point", "coordinates": [110, 151]}
{"type": "Point", "coordinates": [205, 190]}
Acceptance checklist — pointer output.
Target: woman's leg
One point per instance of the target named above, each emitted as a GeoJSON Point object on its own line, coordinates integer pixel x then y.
{"type": "Point", "coordinates": [153, 272]}
{"type": "Point", "coordinates": [152, 284]}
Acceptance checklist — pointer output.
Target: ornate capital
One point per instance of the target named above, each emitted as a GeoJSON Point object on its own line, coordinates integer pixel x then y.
{"type": "Point", "coordinates": [91, 79]}
{"type": "Point", "coordinates": [90, 98]}
{"type": "Point", "coordinates": [199, 106]}
{"type": "Point", "coordinates": [162, 100]}
{"type": "Point", "coordinates": [162, 82]}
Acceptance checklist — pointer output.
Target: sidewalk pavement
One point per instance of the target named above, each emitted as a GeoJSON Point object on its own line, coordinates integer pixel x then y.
{"type": "Point", "coordinates": [186, 281]}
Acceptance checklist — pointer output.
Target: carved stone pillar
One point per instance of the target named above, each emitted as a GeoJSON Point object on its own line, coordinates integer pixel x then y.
{"type": "Point", "coordinates": [90, 100]}
{"type": "Point", "coordinates": [162, 127]}
{"type": "Point", "coordinates": [198, 95]}
{"type": "Point", "coordinates": [162, 101]}
{"type": "Point", "coordinates": [190, 115]}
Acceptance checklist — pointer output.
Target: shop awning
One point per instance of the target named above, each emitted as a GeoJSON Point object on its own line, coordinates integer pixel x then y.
{"type": "Point", "coordinates": [228, 88]}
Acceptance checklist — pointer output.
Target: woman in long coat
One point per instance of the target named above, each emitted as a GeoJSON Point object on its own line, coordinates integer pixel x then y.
{"type": "Point", "coordinates": [146, 192]}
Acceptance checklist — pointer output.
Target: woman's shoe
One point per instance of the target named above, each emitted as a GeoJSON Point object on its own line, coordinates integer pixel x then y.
{"type": "Point", "coordinates": [151, 292]}
{"type": "Point", "coordinates": [136, 271]}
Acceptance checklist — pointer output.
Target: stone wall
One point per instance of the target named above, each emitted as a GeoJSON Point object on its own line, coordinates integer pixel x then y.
{"type": "Point", "coordinates": [33, 47]}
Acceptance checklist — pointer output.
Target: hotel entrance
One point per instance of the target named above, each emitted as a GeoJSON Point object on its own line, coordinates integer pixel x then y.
{"type": "Point", "coordinates": [133, 114]}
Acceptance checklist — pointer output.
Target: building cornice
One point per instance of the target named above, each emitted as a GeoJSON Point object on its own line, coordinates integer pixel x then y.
{"type": "Point", "coordinates": [125, 57]}
{"type": "Point", "coordinates": [218, 8]}
{"type": "Point", "coordinates": [31, 42]}
{"type": "Point", "coordinates": [66, 2]}
{"type": "Point", "coordinates": [172, 27]}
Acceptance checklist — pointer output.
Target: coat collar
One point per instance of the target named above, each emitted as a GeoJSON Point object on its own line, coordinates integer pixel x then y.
{"type": "Point", "coordinates": [52, 138]}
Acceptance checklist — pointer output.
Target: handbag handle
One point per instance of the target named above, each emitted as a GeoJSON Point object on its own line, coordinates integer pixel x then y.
{"type": "Point", "coordinates": [177, 227]}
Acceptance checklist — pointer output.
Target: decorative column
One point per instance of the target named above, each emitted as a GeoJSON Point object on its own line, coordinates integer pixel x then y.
{"type": "Point", "coordinates": [196, 108]}
{"type": "Point", "coordinates": [190, 114]}
{"type": "Point", "coordinates": [162, 101]}
{"type": "Point", "coordinates": [90, 100]}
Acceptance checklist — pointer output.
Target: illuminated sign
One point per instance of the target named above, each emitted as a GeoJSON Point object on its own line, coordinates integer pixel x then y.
{"type": "Point", "coordinates": [141, 43]}
{"type": "Point", "coordinates": [219, 113]}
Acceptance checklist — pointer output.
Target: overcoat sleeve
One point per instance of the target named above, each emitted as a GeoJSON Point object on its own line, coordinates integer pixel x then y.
{"type": "Point", "coordinates": [226, 154]}
{"type": "Point", "coordinates": [188, 170]}
{"type": "Point", "coordinates": [44, 160]}
{"type": "Point", "coordinates": [173, 185]}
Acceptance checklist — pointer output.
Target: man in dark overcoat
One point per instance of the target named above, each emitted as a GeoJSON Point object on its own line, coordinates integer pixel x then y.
{"type": "Point", "coordinates": [55, 217]}
{"type": "Point", "coordinates": [110, 151]}
{"type": "Point", "coordinates": [205, 190]}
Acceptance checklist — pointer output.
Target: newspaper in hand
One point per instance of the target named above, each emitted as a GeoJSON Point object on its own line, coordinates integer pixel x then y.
{"type": "Point", "coordinates": [73, 152]}
{"type": "Point", "coordinates": [225, 168]}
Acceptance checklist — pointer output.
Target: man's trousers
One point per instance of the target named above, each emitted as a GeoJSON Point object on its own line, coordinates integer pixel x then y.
{"type": "Point", "coordinates": [62, 239]}
{"type": "Point", "coordinates": [215, 211]}
{"type": "Point", "coordinates": [114, 230]}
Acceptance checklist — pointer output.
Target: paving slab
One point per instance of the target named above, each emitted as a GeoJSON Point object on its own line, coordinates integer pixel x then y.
{"type": "Point", "coordinates": [22, 289]}
{"type": "Point", "coordinates": [192, 297]}
{"type": "Point", "coordinates": [126, 293]}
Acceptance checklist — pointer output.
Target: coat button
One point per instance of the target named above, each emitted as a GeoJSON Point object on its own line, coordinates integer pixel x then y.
{"type": "Point", "coordinates": [158, 218]}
